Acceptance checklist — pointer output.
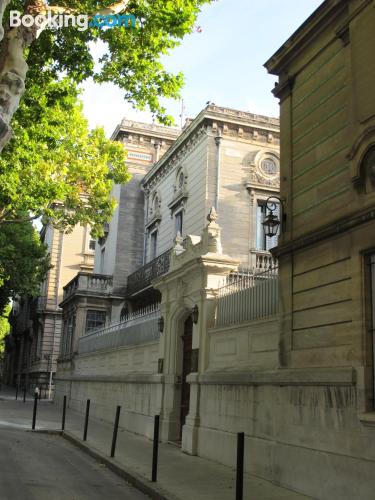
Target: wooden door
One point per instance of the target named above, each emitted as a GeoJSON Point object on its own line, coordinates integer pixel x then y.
{"type": "Point", "coordinates": [187, 341]}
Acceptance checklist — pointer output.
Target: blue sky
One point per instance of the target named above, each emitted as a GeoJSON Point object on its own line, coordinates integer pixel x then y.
{"type": "Point", "coordinates": [223, 63]}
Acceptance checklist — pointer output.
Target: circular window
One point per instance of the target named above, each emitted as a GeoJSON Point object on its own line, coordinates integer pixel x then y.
{"type": "Point", "coordinates": [269, 166]}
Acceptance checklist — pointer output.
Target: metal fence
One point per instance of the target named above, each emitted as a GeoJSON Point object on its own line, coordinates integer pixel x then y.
{"type": "Point", "coordinates": [247, 296]}
{"type": "Point", "coordinates": [136, 328]}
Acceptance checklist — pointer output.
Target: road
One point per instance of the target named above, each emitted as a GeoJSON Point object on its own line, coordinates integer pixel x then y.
{"type": "Point", "coordinates": [36, 466]}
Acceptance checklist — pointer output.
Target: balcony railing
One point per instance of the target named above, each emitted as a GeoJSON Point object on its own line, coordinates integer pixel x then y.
{"type": "Point", "coordinates": [90, 283]}
{"type": "Point", "coordinates": [137, 328]}
{"type": "Point", "coordinates": [143, 277]}
{"type": "Point", "coordinates": [262, 260]}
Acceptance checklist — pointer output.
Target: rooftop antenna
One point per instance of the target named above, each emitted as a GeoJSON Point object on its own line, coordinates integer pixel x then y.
{"type": "Point", "coordinates": [182, 115]}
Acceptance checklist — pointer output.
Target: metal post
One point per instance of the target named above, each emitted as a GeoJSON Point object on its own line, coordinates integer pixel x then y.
{"type": "Point", "coordinates": [34, 410]}
{"type": "Point", "coordinates": [240, 461]}
{"type": "Point", "coordinates": [155, 449]}
{"type": "Point", "coordinates": [24, 393]}
{"type": "Point", "coordinates": [86, 420]}
{"type": "Point", "coordinates": [16, 392]}
{"type": "Point", "coordinates": [115, 429]}
{"type": "Point", "coordinates": [63, 415]}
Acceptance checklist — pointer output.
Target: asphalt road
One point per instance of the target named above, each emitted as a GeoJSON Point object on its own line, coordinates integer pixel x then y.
{"type": "Point", "coordinates": [37, 466]}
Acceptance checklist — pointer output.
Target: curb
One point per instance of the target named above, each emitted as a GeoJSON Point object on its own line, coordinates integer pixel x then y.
{"type": "Point", "coordinates": [139, 482]}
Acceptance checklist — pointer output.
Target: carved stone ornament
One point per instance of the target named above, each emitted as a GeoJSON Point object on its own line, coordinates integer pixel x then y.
{"type": "Point", "coordinates": [264, 170]}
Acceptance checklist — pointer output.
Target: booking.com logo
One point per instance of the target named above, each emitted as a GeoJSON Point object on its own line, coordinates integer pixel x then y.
{"type": "Point", "coordinates": [81, 21]}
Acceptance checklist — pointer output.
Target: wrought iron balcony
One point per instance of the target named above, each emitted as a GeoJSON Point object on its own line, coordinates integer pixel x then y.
{"type": "Point", "coordinates": [143, 276]}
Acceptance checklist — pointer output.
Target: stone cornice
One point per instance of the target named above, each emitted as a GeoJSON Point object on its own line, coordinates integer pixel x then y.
{"type": "Point", "coordinates": [133, 378]}
{"type": "Point", "coordinates": [198, 129]}
{"type": "Point", "coordinates": [338, 227]}
{"type": "Point", "coordinates": [284, 89]}
{"type": "Point", "coordinates": [149, 129]}
{"type": "Point", "coordinates": [305, 35]}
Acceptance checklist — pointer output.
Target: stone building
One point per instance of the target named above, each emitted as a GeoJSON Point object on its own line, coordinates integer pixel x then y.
{"type": "Point", "coordinates": [223, 158]}
{"type": "Point", "coordinates": [34, 342]}
{"type": "Point", "coordinates": [298, 380]}
{"type": "Point", "coordinates": [151, 346]}
{"type": "Point", "coordinates": [326, 76]}
{"type": "Point", "coordinates": [90, 302]}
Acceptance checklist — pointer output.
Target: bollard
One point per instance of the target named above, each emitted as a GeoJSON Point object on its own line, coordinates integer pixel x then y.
{"type": "Point", "coordinates": [34, 410]}
{"type": "Point", "coordinates": [155, 450]}
{"type": "Point", "coordinates": [16, 392]}
{"type": "Point", "coordinates": [86, 420]}
{"type": "Point", "coordinates": [24, 394]}
{"type": "Point", "coordinates": [240, 461]}
{"type": "Point", "coordinates": [115, 429]}
{"type": "Point", "coordinates": [63, 415]}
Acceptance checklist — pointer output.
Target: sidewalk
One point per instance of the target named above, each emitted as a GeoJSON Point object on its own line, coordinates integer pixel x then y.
{"type": "Point", "coordinates": [180, 476]}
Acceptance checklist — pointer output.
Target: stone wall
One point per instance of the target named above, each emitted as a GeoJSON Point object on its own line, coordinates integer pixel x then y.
{"type": "Point", "coordinates": [126, 377]}
{"type": "Point", "coordinates": [306, 437]}
{"type": "Point", "coordinates": [244, 346]}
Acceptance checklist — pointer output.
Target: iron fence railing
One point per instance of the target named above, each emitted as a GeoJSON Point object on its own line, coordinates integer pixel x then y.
{"type": "Point", "coordinates": [247, 296]}
{"type": "Point", "coordinates": [136, 328]}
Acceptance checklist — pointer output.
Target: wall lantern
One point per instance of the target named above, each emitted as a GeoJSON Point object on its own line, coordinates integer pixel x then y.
{"type": "Point", "coordinates": [161, 324]}
{"type": "Point", "coordinates": [195, 314]}
{"type": "Point", "coordinates": [272, 223]}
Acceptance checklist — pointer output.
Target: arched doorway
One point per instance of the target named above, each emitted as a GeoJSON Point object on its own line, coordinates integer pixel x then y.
{"type": "Point", "coordinates": [187, 345]}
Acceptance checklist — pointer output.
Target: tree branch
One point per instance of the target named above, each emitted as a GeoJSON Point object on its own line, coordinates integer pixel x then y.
{"type": "Point", "coordinates": [14, 221]}
{"type": "Point", "coordinates": [13, 66]}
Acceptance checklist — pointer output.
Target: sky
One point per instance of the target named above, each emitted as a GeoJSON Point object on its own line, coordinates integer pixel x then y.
{"type": "Point", "coordinates": [222, 62]}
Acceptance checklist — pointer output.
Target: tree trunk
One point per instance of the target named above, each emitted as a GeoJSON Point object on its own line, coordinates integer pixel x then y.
{"type": "Point", "coordinates": [13, 66]}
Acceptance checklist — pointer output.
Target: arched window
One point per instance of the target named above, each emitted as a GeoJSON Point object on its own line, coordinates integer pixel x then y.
{"type": "Point", "coordinates": [368, 168]}
{"type": "Point", "coordinates": [181, 180]}
{"type": "Point", "coordinates": [124, 313]}
{"type": "Point", "coordinates": [155, 204]}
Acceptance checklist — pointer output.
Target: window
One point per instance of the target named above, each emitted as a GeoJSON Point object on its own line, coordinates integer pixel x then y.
{"type": "Point", "coordinates": [179, 222]}
{"type": "Point", "coordinates": [92, 245]}
{"type": "Point", "coordinates": [181, 180]}
{"type": "Point", "coordinates": [268, 166]}
{"type": "Point", "coordinates": [67, 340]}
{"type": "Point", "coordinates": [153, 244]}
{"type": "Point", "coordinates": [94, 320]}
{"type": "Point", "coordinates": [264, 242]}
{"type": "Point", "coordinates": [370, 328]}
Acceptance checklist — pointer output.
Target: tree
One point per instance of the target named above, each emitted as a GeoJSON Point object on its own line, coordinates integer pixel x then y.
{"type": "Point", "coordinates": [4, 329]}
{"type": "Point", "coordinates": [23, 261]}
{"type": "Point", "coordinates": [54, 166]}
{"type": "Point", "coordinates": [132, 61]}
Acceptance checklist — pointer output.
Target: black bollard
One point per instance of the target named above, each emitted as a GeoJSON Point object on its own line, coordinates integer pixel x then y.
{"type": "Point", "coordinates": [34, 410]}
{"type": "Point", "coordinates": [155, 449]}
{"type": "Point", "coordinates": [240, 461]}
{"type": "Point", "coordinates": [16, 392]}
{"type": "Point", "coordinates": [115, 429]}
{"type": "Point", "coordinates": [24, 394]}
{"type": "Point", "coordinates": [86, 420]}
{"type": "Point", "coordinates": [63, 415]}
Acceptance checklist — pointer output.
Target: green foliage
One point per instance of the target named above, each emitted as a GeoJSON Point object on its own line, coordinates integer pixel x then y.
{"type": "Point", "coordinates": [4, 327]}
{"type": "Point", "coordinates": [133, 58]}
{"type": "Point", "coordinates": [23, 261]}
{"type": "Point", "coordinates": [54, 166]}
